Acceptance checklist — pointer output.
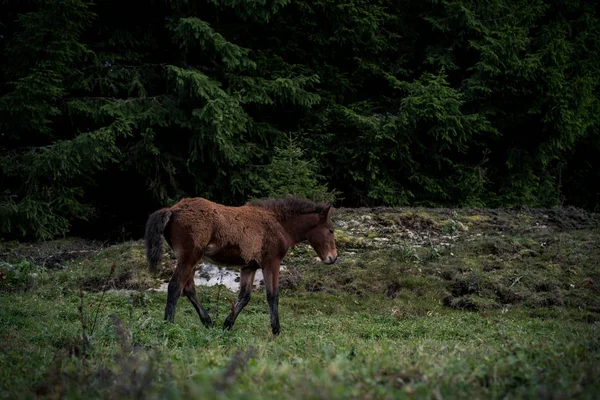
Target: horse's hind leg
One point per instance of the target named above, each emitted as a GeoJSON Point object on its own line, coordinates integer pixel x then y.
{"type": "Point", "coordinates": [190, 292]}
{"type": "Point", "coordinates": [246, 283]}
{"type": "Point", "coordinates": [184, 272]}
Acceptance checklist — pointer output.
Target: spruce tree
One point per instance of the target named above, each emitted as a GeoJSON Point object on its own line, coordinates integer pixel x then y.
{"type": "Point", "coordinates": [44, 164]}
{"type": "Point", "coordinates": [291, 173]}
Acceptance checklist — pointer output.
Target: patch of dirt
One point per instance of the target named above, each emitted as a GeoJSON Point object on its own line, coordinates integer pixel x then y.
{"type": "Point", "coordinates": [448, 274]}
{"type": "Point", "coordinates": [493, 266]}
{"type": "Point", "coordinates": [507, 296]}
{"type": "Point", "coordinates": [545, 286]}
{"type": "Point", "coordinates": [463, 285]}
{"type": "Point", "coordinates": [461, 303]}
{"type": "Point", "coordinates": [541, 300]}
{"type": "Point", "coordinates": [392, 289]}
{"type": "Point", "coordinates": [501, 247]}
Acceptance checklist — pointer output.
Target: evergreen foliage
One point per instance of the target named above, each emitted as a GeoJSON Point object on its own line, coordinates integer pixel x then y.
{"type": "Point", "coordinates": [454, 103]}
{"type": "Point", "coordinates": [289, 173]}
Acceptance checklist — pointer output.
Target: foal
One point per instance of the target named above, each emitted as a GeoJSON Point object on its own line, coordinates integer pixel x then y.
{"type": "Point", "coordinates": [255, 235]}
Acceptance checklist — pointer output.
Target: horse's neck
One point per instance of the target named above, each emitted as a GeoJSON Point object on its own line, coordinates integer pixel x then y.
{"type": "Point", "coordinates": [297, 228]}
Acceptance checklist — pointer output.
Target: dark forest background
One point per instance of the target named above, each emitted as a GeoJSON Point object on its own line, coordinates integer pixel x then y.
{"type": "Point", "coordinates": [111, 110]}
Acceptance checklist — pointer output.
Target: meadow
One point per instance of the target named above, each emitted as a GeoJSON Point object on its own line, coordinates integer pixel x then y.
{"type": "Point", "coordinates": [423, 303]}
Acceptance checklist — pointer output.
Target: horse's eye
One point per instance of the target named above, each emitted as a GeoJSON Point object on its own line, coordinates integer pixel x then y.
{"type": "Point", "coordinates": [331, 231]}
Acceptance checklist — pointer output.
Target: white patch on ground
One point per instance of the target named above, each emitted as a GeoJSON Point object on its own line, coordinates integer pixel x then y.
{"type": "Point", "coordinates": [208, 274]}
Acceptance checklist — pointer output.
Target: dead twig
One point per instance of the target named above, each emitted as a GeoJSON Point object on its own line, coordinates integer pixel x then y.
{"type": "Point", "coordinates": [516, 280]}
{"type": "Point", "coordinates": [112, 270]}
{"type": "Point", "coordinates": [84, 336]}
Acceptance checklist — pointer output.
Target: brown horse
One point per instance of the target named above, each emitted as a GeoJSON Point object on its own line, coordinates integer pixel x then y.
{"type": "Point", "coordinates": [255, 235]}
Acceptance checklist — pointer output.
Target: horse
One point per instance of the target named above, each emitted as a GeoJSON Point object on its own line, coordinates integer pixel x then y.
{"type": "Point", "coordinates": [255, 235]}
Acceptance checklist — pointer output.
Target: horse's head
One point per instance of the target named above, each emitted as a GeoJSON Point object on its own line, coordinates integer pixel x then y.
{"type": "Point", "coordinates": [321, 237]}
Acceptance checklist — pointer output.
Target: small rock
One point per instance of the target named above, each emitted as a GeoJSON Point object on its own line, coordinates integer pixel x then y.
{"type": "Point", "coordinates": [8, 266]}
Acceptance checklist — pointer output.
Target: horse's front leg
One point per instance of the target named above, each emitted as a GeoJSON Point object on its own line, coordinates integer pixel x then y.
{"type": "Point", "coordinates": [271, 275]}
{"type": "Point", "coordinates": [246, 283]}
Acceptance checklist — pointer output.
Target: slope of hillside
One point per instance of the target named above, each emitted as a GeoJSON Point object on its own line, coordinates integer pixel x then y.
{"type": "Point", "coordinates": [423, 302]}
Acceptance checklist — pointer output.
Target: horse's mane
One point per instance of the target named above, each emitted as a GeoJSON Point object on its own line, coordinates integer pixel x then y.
{"type": "Point", "coordinates": [289, 205]}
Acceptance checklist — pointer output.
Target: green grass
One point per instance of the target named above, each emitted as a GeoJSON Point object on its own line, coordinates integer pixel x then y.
{"type": "Point", "coordinates": [504, 313]}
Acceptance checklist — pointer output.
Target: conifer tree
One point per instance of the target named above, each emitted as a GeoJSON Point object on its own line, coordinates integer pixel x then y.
{"type": "Point", "coordinates": [291, 173]}
{"type": "Point", "coordinates": [43, 164]}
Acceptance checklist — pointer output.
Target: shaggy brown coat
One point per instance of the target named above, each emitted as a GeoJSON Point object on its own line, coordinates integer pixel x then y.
{"type": "Point", "coordinates": [255, 235]}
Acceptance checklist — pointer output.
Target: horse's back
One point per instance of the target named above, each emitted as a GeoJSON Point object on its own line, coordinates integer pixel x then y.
{"type": "Point", "coordinates": [201, 209]}
{"type": "Point", "coordinates": [216, 225]}
{"type": "Point", "coordinates": [194, 204]}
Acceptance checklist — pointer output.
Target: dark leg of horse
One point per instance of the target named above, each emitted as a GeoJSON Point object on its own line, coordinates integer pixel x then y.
{"type": "Point", "coordinates": [190, 292]}
{"type": "Point", "coordinates": [173, 293]}
{"type": "Point", "coordinates": [271, 274]}
{"type": "Point", "coordinates": [246, 283]}
{"type": "Point", "coordinates": [183, 273]}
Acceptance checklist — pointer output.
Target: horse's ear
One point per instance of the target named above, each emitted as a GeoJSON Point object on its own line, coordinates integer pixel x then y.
{"type": "Point", "coordinates": [326, 213]}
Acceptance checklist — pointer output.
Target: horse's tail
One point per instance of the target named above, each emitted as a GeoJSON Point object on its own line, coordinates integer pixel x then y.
{"type": "Point", "coordinates": [153, 237]}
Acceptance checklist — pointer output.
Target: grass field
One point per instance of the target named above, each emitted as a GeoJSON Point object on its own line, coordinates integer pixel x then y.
{"type": "Point", "coordinates": [424, 303]}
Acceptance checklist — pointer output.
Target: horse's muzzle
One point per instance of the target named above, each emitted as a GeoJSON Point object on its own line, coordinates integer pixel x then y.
{"type": "Point", "coordinates": [331, 260]}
